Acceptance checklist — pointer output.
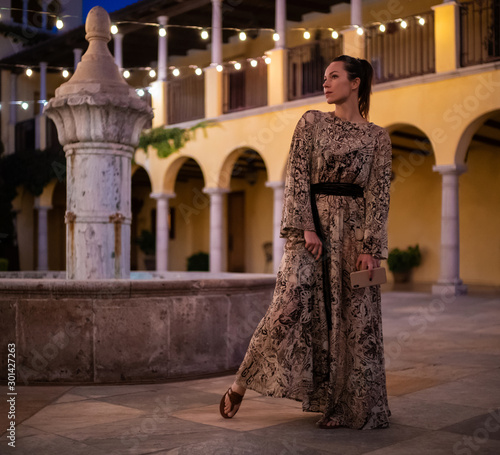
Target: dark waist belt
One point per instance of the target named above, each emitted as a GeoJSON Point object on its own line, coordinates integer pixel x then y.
{"type": "Point", "coordinates": [334, 189]}
{"type": "Point", "coordinates": [337, 189]}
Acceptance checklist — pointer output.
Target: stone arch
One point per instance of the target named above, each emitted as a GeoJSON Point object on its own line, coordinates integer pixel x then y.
{"type": "Point", "coordinates": [414, 215]}
{"type": "Point", "coordinates": [172, 171]}
{"type": "Point", "coordinates": [479, 199]}
{"type": "Point", "coordinates": [228, 166]}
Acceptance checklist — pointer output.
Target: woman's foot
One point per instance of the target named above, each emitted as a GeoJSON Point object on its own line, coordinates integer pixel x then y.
{"type": "Point", "coordinates": [329, 423]}
{"type": "Point", "coordinates": [230, 408]}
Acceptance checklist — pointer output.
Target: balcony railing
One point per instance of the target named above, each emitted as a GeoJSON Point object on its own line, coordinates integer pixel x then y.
{"type": "Point", "coordinates": [245, 88]}
{"type": "Point", "coordinates": [186, 99]}
{"type": "Point", "coordinates": [479, 32]}
{"type": "Point", "coordinates": [398, 52]}
{"type": "Point", "coordinates": [306, 67]}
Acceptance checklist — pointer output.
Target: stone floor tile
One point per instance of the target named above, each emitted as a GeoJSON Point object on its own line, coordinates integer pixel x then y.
{"type": "Point", "coordinates": [429, 414]}
{"type": "Point", "coordinates": [398, 384]}
{"type": "Point", "coordinates": [252, 414]}
{"type": "Point", "coordinates": [100, 391]}
{"type": "Point", "coordinates": [481, 427]}
{"type": "Point", "coordinates": [50, 444]}
{"type": "Point", "coordinates": [438, 443]}
{"type": "Point", "coordinates": [64, 416]}
{"type": "Point", "coordinates": [341, 441]}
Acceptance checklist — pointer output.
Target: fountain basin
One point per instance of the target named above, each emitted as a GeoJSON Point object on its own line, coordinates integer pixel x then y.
{"type": "Point", "coordinates": [169, 325]}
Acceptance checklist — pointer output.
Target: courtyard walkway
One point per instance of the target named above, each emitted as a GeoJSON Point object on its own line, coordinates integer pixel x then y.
{"type": "Point", "coordinates": [443, 372]}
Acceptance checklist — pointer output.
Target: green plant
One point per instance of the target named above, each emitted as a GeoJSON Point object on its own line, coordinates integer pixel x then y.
{"type": "Point", "coordinates": [198, 262]}
{"type": "Point", "coordinates": [147, 242]}
{"type": "Point", "coordinates": [404, 260]}
{"type": "Point", "coordinates": [4, 265]}
{"type": "Point", "coordinates": [169, 140]}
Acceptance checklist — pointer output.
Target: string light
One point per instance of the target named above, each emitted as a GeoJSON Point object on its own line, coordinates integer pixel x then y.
{"type": "Point", "coordinates": [254, 62]}
{"type": "Point", "coordinates": [243, 36]}
{"type": "Point", "coordinates": [114, 29]}
{"type": "Point", "coordinates": [176, 72]}
{"type": "Point", "coordinates": [335, 34]}
{"type": "Point", "coordinates": [152, 73]}
{"type": "Point", "coordinates": [204, 34]}
{"type": "Point", "coordinates": [421, 20]}
{"type": "Point", "coordinates": [126, 74]}
{"type": "Point", "coordinates": [359, 31]}
{"type": "Point", "coordinates": [404, 24]}
{"type": "Point", "coordinates": [59, 24]}
{"type": "Point", "coordinates": [307, 35]}
{"type": "Point", "coordinates": [162, 32]}
{"type": "Point", "coordinates": [382, 28]}
{"type": "Point", "coordinates": [65, 74]}
{"type": "Point", "coordinates": [219, 68]}
{"type": "Point", "coordinates": [267, 60]}
{"type": "Point", "coordinates": [140, 92]}
{"type": "Point", "coordinates": [237, 66]}
{"type": "Point", "coordinates": [24, 105]}
{"type": "Point", "coordinates": [29, 72]}
{"type": "Point", "coordinates": [198, 71]}
{"type": "Point", "coordinates": [276, 36]}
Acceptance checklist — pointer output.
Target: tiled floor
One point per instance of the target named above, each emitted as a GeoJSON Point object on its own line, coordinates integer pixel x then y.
{"type": "Point", "coordinates": [443, 372]}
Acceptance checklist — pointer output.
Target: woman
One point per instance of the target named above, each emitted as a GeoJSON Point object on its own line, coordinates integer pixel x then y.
{"type": "Point", "coordinates": [320, 341]}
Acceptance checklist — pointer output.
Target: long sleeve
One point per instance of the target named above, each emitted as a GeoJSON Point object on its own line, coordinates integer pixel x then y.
{"type": "Point", "coordinates": [377, 197]}
{"type": "Point", "coordinates": [297, 212]}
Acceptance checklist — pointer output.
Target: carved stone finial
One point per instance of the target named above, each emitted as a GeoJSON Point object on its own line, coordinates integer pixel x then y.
{"type": "Point", "coordinates": [97, 25]}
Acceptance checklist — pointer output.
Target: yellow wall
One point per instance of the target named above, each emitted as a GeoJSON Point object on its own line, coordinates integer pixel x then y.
{"type": "Point", "coordinates": [480, 217]}
{"type": "Point", "coordinates": [415, 211]}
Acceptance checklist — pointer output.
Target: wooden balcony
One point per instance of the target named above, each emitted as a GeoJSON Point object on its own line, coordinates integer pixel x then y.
{"type": "Point", "coordinates": [479, 32]}
{"type": "Point", "coordinates": [186, 99]}
{"type": "Point", "coordinates": [398, 52]}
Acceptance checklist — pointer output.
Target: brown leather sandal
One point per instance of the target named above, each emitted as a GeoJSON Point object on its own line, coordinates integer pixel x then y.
{"type": "Point", "coordinates": [235, 399]}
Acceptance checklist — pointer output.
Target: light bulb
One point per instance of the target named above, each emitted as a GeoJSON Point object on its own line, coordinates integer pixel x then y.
{"type": "Point", "coordinates": [59, 24]}
{"type": "Point", "coordinates": [29, 72]}
{"type": "Point", "coordinates": [65, 73]}
{"type": "Point", "coordinates": [126, 74]}
{"type": "Point", "coordinates": [421, 21]}
{"type": "Point", "coordinates": [276, 36]}
{"type": "Point", "coordinates": [114, 29]}
{"type": "Point", "coordinates": [237, 66]}
{"type": "Point", "coordinates": [307, 35]}
{"type": "Point", "coordinates": [243, 36]}
{"type": "Point", "coordinates": [152, 73]}
{"type": "Point", "coordinates": [176, 72]}
{"type": "Point", "coordinates": [404, 24]}
{"type": "Point", "coordinates": [198, 71]}
{"type": "Point", "coordinates": [359, 31]}
{"type": "Point", "coordinates": [219, 68]}
{"type": "Point", "coordinates": [382, 28]}
{"type": "Point", "coordinates": [267, 60]}
{"type": "Point", "coordinates": [254, 63]}
{"type": "Point", "coordinates": [162, 32]}
{"type": "Point", "coordinates": [24, 105]}
{"type": "Point", "coordinates": [335, 34]}
{"type": "Point", "coordinates": [140, 92]}
{"type": "Point", "coordinates": [204, 34]}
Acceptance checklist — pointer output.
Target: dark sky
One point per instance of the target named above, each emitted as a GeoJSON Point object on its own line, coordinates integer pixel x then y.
{"type": "Point", "coordinates": [108, 5]}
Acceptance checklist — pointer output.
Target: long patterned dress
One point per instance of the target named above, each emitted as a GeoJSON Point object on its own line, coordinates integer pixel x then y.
{"type": "Point", "coordinates": [292, 353]}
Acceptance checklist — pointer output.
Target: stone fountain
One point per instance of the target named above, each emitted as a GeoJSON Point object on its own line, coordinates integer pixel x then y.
{"type": "Point", "coordinates": [97, 325]}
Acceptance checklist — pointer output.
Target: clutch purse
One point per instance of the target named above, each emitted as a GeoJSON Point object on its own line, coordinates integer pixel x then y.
{"type": "Point", "coordinates": [360, 279]}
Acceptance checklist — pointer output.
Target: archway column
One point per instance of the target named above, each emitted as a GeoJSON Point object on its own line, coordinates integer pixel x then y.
{"type": "Point", "coordinates": [162, 204]}
{"type": "Point", "coordinates": [216, 227]}
{"type": "Point", "coordinates": [43, 239]}
{"type": "Point", "coordinates": [449, 279]}
{"type": "Point", "coordinates": [278, 242]}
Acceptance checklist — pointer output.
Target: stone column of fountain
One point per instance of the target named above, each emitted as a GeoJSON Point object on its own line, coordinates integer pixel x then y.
{"type": "Point", "coordinates": [99, 118]}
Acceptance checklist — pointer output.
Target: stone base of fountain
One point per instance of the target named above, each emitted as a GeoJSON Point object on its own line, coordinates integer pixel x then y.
{"type": "Point", "coordinates": [175, 325]}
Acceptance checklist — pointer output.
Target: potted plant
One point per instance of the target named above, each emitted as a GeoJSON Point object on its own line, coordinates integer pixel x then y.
{"type": "Point", "coordinates": [401, 262]}
{"type": "Point", "coordinates": [147, 244]}
{"type": "Point", "coordinates": [198, 262]}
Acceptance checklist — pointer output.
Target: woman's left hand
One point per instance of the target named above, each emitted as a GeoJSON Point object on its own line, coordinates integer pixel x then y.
{"type": "Point", "coordinates": [367, 261]}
